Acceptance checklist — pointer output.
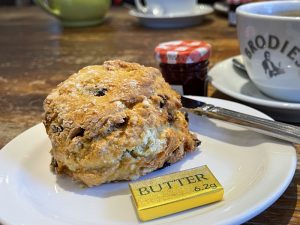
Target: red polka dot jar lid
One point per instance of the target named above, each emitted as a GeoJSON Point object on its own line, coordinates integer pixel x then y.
{"type": "Point", "coordinates": [236, 2]}
{"type": "Point", "coordinates": [182, 52]}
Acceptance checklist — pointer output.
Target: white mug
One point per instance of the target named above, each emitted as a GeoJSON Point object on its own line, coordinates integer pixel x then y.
{"type": "Point", "coordinates": [269, 37]}
{"type": "Point", "coordinates": [166, 7]}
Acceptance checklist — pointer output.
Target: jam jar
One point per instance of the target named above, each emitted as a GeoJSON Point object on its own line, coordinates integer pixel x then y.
{"type": "Point", "coordinates": [232, 6]}
{"type": "Point", "coordinates": [184, 65]}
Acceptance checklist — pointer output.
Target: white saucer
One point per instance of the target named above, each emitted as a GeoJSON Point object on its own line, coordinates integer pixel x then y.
{"type": "Point", "coordinates": [173, 20]}
{"type": "Point", "coordinates": [221, 7]}
{"type": "Point", "coordinates": [235, 83]}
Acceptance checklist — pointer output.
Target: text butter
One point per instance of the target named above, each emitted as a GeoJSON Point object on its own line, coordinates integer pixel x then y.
{"type": "Point", "coordinates": [175, 192]}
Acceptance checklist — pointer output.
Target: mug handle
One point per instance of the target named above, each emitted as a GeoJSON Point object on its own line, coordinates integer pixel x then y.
{"type": "Point", "coordinates": [140, 7]}
{"type": "Point", "coordinates": [44, 5]}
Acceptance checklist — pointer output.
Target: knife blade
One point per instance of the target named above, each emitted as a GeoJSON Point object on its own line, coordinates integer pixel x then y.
{"type": "Point", "coordinates": [271, 128]}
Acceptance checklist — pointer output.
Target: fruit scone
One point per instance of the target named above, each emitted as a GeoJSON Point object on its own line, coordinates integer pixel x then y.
{"type": "Point", "coordinates": [116, 121]}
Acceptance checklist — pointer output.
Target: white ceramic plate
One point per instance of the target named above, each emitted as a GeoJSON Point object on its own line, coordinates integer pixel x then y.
{"type": "Point", "coordinates": [173, 21]}
{"type": "Point", "coordinates": [235, 83]}
{"type": "Point", "coordinates": [253, 169]}
{"type": "Point", "coordinates": [221, 7]}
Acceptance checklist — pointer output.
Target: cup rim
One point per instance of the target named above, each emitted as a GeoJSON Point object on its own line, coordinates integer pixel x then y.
{"type": "Point", "coordinates": [243, 10]}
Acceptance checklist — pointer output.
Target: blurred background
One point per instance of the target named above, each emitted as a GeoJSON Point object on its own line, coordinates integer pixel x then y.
{"type": "Point", "coordinates": [114, 2]}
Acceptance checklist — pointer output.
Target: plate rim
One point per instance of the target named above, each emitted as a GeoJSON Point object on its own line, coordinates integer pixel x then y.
{"type": "Point", "coordinates": [219, 7]}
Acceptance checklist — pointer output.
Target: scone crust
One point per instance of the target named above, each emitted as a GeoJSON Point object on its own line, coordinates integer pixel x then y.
{"type": "Point", "coordinates": [115, 121]}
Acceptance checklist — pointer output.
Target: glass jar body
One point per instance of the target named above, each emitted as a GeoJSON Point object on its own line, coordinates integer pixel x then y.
{"type": "Point", "coordinates": [192, 77]}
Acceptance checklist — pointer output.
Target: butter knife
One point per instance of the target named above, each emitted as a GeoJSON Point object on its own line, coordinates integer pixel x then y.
{"type": "Point", "coordinates": [271, 128]}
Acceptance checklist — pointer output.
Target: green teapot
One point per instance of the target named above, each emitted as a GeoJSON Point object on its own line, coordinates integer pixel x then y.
{"type": "Point", "coordinates": [76, 13]}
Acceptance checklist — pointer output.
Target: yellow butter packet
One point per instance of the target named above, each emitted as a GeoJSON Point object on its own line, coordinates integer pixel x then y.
{"type": "Point", "coordinates": [175, 192]}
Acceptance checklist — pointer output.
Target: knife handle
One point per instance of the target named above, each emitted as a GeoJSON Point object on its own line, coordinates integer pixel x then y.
{"type": "Point", "coordinates": [272, 128]}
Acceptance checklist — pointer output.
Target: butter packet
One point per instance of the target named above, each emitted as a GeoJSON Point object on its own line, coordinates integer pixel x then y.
{"type": "Point", "coordinates": [175, 192]}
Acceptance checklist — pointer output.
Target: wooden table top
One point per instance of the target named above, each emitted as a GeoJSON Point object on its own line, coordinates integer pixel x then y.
{"type": "Point", "coordinates": [37, 53]}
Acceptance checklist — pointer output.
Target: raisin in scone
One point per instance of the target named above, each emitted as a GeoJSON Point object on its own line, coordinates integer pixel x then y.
{"type": "Point", "coordinates": [116, 121]}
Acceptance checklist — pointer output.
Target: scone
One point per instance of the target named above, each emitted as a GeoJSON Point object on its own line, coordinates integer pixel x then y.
{"type": "Point", "coordinates": [116, 121]}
